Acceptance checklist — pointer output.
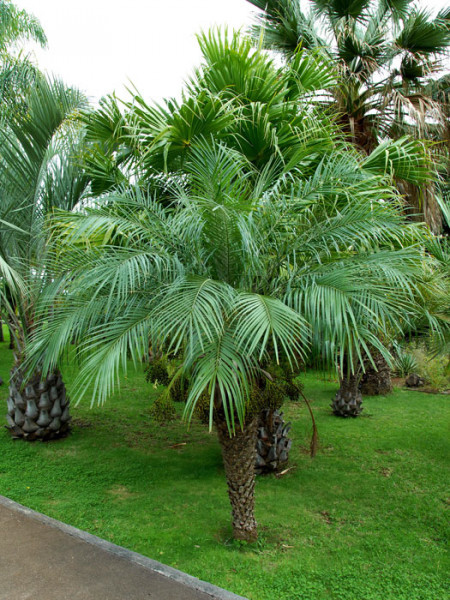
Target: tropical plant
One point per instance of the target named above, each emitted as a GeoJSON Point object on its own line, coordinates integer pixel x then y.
{"type": "Point", "coordinates": [228, 261]}
{"type": "Point", "coordinates": [384, 52]}
{"type": "Point", "coordinates": [270, 123]}
{"type": "Point", "coordinates": [38, 173]}
{"type": "Point", "coordinates": [405, 363]}
{"type": "Point", "coordinates": [17, 72]}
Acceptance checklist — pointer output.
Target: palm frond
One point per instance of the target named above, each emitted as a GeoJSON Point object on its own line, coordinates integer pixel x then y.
{"type": "Point", "coordinates": [404, 158]}
{"type": "Point", "coordinates": [262, 321]}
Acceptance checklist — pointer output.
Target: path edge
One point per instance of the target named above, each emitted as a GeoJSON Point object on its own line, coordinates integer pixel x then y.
{"type": "Point", "coordinates": [134, 557]}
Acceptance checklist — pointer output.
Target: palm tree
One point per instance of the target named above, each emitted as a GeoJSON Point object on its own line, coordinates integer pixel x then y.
{"type": "Point", "coordinates": [17, 73]}
{"type": "Point", "coordinates": [37, 174]}
{"type": "Point", "coordinates": [270, 123]}
{"type": "Point", "coordinates": [231, 262]}
{"type": "Point", "coordinates": [384, 53]}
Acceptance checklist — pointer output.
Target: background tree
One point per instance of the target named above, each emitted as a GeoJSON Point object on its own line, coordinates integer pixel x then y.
{"type": "Point", "coordinates": [385, 53]}
{"type": "Point", "coordinates": [38, 173]}
{"type": "Point", "coordinates": [17, 71]}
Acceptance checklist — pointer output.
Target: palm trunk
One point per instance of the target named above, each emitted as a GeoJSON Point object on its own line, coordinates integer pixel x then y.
{"type": "Point", "coordinates": [37, 409]}
{"type": "Point", "coordinates": [239, 455]}
{"type": "Point", "coordinates": [376, 381]}
{"type": "Point", "coordinates": [273, 445]}
{"type": "Point", "coordinates": [348, 399]}
{"type": "Point", "coordinates": [421, 204]}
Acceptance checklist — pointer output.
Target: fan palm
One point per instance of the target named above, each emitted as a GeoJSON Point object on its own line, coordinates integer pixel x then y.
{"type": "Point", "coordinates": [37, 174]}
{"type": "Point", "coordinates": [384, 52]}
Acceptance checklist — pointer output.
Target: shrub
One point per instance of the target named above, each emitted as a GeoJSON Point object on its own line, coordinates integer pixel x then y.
{"type": "Point", "coordinates": [434, 369]}
{"type": "Point", "coordinates": [163, 410]}
{"type": "Point", "coordinates": [405, 363]}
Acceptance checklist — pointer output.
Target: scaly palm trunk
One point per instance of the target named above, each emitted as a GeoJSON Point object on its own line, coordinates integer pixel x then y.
{"type": "Point", "coordinates": [348, 399]}
{"type": "Point", "coordinates": [377, 381]}
{"type": "Point", "coordinates": [37, 409]}
{"type": "Point", "coordinates": [273, 443]}
{"type": "Point", "coordinates": [422, 204]}
{"type": "Point", "coordinates": [239, 455]}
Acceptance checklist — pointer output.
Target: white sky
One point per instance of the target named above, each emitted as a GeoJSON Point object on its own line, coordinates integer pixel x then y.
{"type": "Point", "coordinates": [102, 45]}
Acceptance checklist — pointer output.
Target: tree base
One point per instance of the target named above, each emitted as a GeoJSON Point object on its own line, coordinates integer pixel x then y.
{"type": "Point", "coordinates": [376, 382]}
{"type": "Point", "coordinates": [348, 400]}
{"type": "Point", "coordinates": [37, 410]}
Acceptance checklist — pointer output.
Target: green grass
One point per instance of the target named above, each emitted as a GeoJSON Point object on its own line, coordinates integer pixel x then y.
{"type": "Point", "coordinates": [364, 520]}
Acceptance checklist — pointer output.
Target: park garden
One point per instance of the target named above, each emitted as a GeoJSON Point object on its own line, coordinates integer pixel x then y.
{"type": "Point", "coordinates": [244, 289]}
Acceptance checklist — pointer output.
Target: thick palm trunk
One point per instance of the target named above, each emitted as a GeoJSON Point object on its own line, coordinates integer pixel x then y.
{"type": "Point", "coordinates": [239, 455]}
{"type": "Point", "coordinates": [377, 381]}
{"type": "Point", "coordinates": [348, 400]}
{"type": "Point", "coordinates": [421, 204]}
{"type": "Point", "coordinates": [273, 445]}
{"type": "Point", "coordinates": [37, 409]}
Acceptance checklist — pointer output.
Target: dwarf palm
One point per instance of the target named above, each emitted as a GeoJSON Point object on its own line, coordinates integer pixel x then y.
{"type": "Point", "coordinates": [231, 255]}
{"type": "Point", "coordinates": [227, 276]}
{"type": "Point", "coordinates": [37, 174]}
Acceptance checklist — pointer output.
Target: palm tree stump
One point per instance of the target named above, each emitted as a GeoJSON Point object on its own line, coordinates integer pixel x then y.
{"type": "Point", "coordinates": [348, 399]}
{"type": "Point", "coordinates": [239, 455]}
{"type": "Point", "coordinates": [37, 409]}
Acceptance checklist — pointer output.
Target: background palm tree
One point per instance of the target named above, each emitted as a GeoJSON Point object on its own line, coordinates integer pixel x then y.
{"type": "Point", "coordinates": [229, 261]}
{"type": "Point", "coordinates": [38, 173]}
{"type": "Point", "coordinates": [384, 52]}
{"type": "Point", "coordinates": [17, 72]}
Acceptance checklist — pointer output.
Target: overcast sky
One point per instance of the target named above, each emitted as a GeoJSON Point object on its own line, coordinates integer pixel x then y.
{"type": "Point", "coordinates": [101, 45]}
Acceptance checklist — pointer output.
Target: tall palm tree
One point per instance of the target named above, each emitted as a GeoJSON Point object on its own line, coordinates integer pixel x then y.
{"type": "Point", "coordinates": [38, 173]}
{"type": "Point", "coordinates": [229, 261]}
{"type": "Point", "coordinates": [384, 51]}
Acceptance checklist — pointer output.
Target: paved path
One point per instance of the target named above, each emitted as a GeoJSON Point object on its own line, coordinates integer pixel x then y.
{"type": "Point", "coordinates": [44, 559]}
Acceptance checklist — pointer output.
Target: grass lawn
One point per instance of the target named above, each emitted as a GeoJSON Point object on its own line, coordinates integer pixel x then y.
{"type": "Point", "coordinates": [364, 520]}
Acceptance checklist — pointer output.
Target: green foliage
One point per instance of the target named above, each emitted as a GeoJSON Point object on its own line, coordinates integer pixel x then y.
{"type": "Point", "coordinates": [38, 174]}
{"type": "Point", "coordinates": [383, 53]}
{"type": "Point", "coordinates": [163, 410]}
{"type": "Point", "coordinates": [17, 73]}
{"type": "Point", "coordinates": [234, 254]}
{"type": "Point", "coordinates": [156, 372]}
{"type": "Point", "coordinates": [404, 363]}
{"type": "Point", "coordinates": [17, 25]}
{"type": "Point", "coordinates": [435, 369]}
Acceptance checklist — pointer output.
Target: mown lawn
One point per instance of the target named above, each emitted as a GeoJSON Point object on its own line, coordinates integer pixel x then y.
{"type": "Point", "coordinates": [364, 520]}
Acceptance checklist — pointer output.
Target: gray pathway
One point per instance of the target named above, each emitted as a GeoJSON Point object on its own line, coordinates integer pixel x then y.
{"type": "Point", "coordinates": [44, 559]}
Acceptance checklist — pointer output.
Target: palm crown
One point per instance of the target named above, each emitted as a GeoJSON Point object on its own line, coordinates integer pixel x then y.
{"type": "Point", "coordinates": [240, 249]}
{"type": "Point", "coordinates": [384, 50]}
